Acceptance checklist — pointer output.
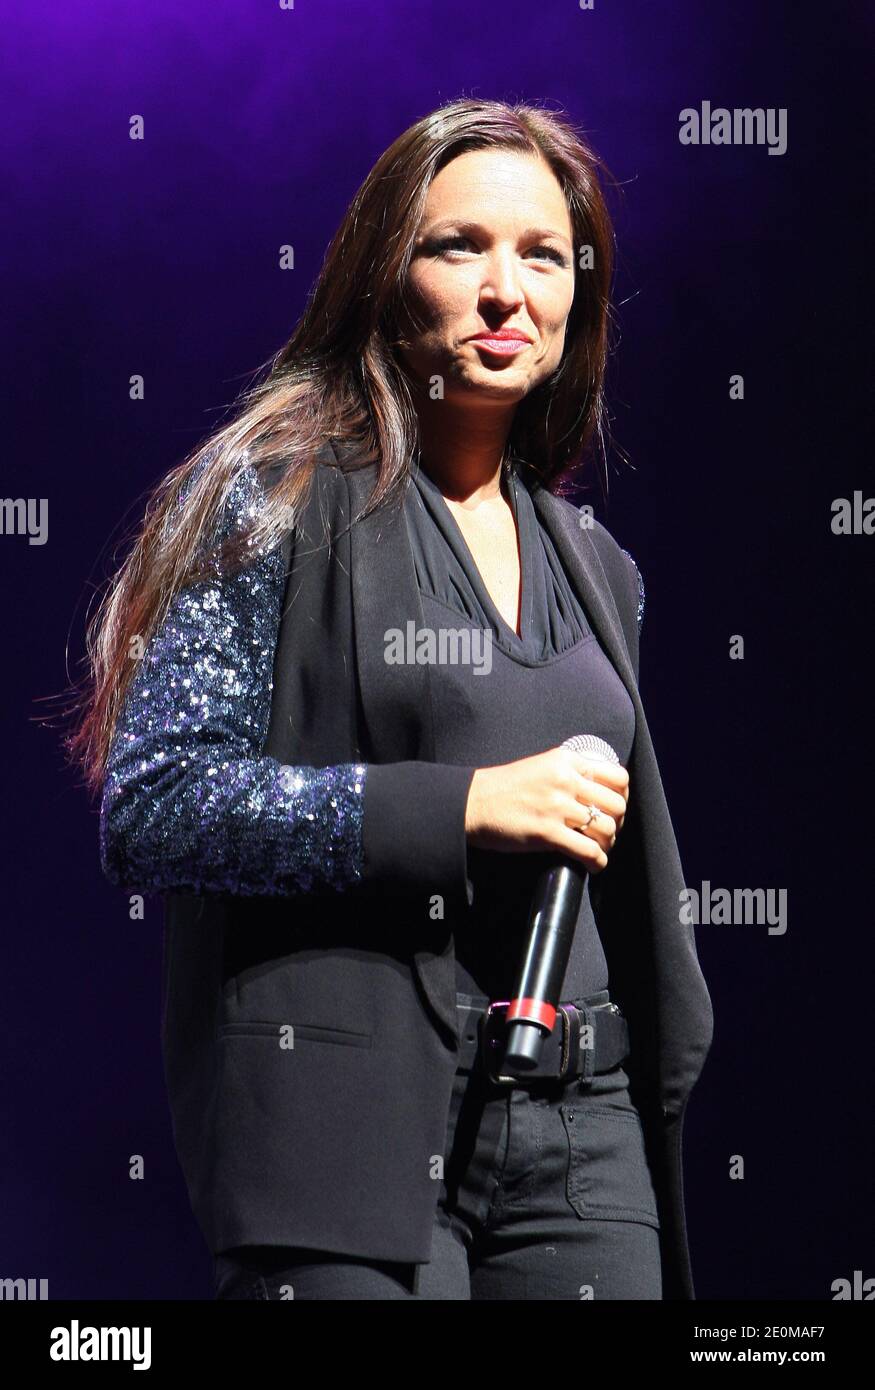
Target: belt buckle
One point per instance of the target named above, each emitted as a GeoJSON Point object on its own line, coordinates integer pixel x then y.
{"type": "Point", "coordinates": [570, 1050]}
{"type": "Point", "coordinates": [491, 1043]}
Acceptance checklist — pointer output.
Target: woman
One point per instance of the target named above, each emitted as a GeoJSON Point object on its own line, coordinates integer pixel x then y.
{"type": "Point", "coordinates": [332, 682]}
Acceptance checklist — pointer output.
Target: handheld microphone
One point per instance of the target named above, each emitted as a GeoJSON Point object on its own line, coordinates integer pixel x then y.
{"type": "Point", "coordinates": [553, 917]}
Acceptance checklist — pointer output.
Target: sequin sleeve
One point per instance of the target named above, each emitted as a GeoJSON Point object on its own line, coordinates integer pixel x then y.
{"type": "Point", "coordinates": [190, 803]}
{"type": "Point", "coordinates": [640, 582]}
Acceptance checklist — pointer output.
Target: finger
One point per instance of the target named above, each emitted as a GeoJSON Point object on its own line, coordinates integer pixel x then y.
{"type": "Point", "coordinates": [612, 803]}
{"type": "Point", "coordinates": [580, 847]}
{"type": "Point", "coordinates": [601, 827]}
{"type": "Point", "coordinates": [599, 770]}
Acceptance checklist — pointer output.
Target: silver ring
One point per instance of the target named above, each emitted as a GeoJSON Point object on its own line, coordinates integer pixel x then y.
{"type": "Point", "coordinates": [593, 812]}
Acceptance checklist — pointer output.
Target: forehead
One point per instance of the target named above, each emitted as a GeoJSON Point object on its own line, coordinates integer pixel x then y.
{"type": "Point", "coordinates": [500, 182]}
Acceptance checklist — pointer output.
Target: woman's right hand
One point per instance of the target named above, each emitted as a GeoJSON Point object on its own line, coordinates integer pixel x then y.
{"type": "Point", "coordinates": [539, 803]}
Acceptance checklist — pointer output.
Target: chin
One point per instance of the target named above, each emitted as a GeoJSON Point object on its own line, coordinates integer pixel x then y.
{"type": "Point", "coordinates": [507, 386]}
{"type": "Point", "coordinates": [508, 380]}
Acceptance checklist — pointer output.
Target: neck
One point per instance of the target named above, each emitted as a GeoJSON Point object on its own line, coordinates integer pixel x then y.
{"type": "Point", "coordinates": [462, 451]}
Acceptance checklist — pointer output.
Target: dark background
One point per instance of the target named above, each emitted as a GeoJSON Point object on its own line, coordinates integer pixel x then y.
{"type": "Point", "coordinates": [160, 257]}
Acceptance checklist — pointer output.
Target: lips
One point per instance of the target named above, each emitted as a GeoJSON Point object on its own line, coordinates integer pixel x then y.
{"type": "Point", "coordinates": [505, 344]}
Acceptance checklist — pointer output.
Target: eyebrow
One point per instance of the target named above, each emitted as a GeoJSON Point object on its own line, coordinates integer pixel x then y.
{"type": "Point", "coordinates": [463, 226]}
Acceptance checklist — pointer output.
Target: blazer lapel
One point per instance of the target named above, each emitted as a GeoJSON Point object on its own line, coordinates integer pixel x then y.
{"type": "Point", "coordinates": [671, 1006]}
{"type": "Point", "coordinates": [396, 700]}
{"type": "Point", "coordinates": [577, 552]}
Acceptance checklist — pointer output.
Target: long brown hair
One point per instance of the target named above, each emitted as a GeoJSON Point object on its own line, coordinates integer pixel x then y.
{"type": "Point", "coordinates": [338, 376]}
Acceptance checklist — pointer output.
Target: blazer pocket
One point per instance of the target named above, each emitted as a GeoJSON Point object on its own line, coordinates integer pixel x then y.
{"type": "Point", "coordinates": [608, 1177]}
{"type": "Point", "coordinates": [309, 1032]}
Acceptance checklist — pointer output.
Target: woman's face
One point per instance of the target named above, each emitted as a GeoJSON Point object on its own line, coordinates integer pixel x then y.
{"type": "Point", "coordinates": [493, 253]}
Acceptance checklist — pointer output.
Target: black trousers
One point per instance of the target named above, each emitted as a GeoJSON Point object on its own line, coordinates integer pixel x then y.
{"type": "Point", "coordinates": [545, 1194]}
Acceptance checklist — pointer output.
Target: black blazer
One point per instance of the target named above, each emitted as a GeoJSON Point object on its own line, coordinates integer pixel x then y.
{"type": "Point", "coordinates": [331, 1144]}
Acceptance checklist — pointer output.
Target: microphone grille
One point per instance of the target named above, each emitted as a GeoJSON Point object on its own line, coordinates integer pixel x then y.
{"type": "Point", "coordinates": [590, 743]}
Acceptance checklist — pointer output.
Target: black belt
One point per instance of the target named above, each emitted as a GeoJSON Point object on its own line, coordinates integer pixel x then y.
{"type": "Point", "coordinates": [589, 1036]}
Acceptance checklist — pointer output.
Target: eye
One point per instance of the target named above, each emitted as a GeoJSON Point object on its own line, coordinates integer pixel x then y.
{"type": "Point", "coordinates": [552, 253]}
{"type": "Point", "coordinates": [449, 243]}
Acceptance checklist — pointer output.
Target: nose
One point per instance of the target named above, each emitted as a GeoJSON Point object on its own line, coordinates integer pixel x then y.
{"type": "Point", "coordinates": [501, 282]}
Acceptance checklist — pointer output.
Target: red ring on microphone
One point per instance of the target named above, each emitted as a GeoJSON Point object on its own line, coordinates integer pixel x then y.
{"type": "Point", "coordinates": [532, 1011]}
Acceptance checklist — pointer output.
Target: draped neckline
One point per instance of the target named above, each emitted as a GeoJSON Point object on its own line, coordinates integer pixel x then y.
{"type": "Point", "coordinates": [553, 621]}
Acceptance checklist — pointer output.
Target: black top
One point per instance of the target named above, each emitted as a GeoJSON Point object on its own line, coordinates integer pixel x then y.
{"type": "Point", "coordinates": [500, 696]}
